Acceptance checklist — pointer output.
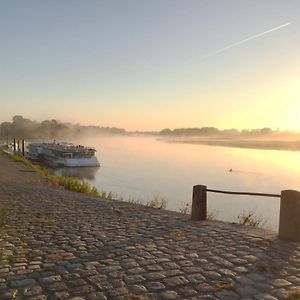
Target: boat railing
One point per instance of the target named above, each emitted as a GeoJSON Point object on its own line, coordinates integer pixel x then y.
{"type": "Point", "coordinates": [67, 147]}
{"type": "Point", "coordinates": [289, 221]}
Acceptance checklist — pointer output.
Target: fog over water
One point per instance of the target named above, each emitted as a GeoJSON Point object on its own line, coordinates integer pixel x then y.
{"type": "Point", "coordinates": [143, 167]}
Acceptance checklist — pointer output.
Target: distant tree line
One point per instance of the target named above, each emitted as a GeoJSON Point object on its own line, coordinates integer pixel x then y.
{"type": "Point", "coordinates": [213, 131]}
{"type": "Point", "coordinates": [22, 128]}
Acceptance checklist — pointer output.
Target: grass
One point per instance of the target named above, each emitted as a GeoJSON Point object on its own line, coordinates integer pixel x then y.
{"type": "Point", "coordinates": [47, 221]}
{"type": "Point", "coordinates": [185, 207]}
{"type": "Point", "coordinates": [262, 267]}
{"type": "Point", "coordinates": [136, 297]}
{"type": "Point", "coordinates": [176, 233]}
{"type": "Point", "coordinates": [133, 201]}
{"type": "Point", "coordinates": [249, 218]}
{"type": "Point", "coordinates": [157, 202]}
{"type": "Point", "coordinates": [75, 185]}
{"type": "Point", "coordinates": [58, 255]}
{"type": "Point", "coordinates": [69, 183]}
{"type": "Point", "coordinates": [105, 195]}
{"type": "Point", "coordinates": [3, 216]}
{"type": "Point", "coordinates": [212, 214]}
{"type": "Point", "coordinates": [220, 286]}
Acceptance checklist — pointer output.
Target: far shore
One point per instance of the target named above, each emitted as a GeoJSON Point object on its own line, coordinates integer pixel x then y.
{"type": "Point", "coordinates": [246, 144]}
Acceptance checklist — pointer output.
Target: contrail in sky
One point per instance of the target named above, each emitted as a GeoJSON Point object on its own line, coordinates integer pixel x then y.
{"type": "Point", "coordinates": [247, 40]}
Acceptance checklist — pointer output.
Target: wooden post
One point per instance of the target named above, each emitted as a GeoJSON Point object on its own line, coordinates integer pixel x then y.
{"type": "Point", "coordinates": [18, 145]}
{"type": "Point", "coordinates": [14, 145]}
{"type": "Point", "coordinates": [289, 221]}
{"type": "Point", "coordinates": [23, 147]}
{"type": "Point", "coordinates": [199, 204]}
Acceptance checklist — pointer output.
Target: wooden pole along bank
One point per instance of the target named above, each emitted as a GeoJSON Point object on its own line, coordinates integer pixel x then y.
{"type": "Point", "coordinates": [199, 204]}
{"type": "Point", "coordinates": [289, 220]}
{"type": "Point", "coordinates": [23, 147]}
{"type": "Point", "coordinates": [19, 146]}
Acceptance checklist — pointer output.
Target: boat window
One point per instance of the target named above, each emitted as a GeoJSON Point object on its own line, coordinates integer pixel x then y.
{"type": "Point", "coordinates": [67, 155]}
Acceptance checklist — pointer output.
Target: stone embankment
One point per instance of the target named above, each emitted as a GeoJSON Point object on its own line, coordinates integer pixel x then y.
{"type": "Point", "coordinates": [63, 245]}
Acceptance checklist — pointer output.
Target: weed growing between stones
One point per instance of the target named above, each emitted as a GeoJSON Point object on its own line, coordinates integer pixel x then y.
{"type": "Point", "coordinates": [220, 286]}
{"type": "Point", "coordinates": [3, 216]}
{"type": "Point", "coordinates": [267, 268]}
{"type": "Point", "coordinates": [177, 233]}
{"type": "Point", "coordinates": [48, 221]}
{"type": "Point", "coordinates": [136, 297]}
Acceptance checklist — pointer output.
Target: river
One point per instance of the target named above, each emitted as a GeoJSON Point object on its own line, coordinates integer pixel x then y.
{"type": "Point", "coordinates": [143, 167]}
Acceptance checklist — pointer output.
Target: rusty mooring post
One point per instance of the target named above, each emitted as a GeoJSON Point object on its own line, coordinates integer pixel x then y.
{"type": "Point", "coordinates": [199, 204]}
{"type": "Point", "coordinates": [289, 220]}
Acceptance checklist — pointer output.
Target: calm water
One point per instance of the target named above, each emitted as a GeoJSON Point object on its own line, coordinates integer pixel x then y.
{"type": "Point", "coordinates": [144, 167]}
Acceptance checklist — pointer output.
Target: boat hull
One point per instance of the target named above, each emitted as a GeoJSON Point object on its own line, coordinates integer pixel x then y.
{"type": "Point", "coordinates": [71, 162]}
{"type": "Point", "coordinates": [63, 155]}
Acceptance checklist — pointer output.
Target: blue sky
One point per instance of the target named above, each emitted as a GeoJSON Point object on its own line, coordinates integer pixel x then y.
{"type": "Point", "coordinates": [151, 64]}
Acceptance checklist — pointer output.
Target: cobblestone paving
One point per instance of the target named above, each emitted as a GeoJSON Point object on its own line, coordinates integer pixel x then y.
{"type": "Point", "coordinates": [63, 245]}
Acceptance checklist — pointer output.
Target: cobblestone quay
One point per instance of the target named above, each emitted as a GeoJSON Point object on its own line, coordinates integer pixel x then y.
{"type": "Point", "coordinates": [64, 245]}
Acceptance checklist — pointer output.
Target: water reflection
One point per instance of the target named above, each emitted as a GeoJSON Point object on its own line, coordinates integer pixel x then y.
{"type": "Point", "coordinates": [83, 173]}
{"type": "Point", "coordinates": [143, 168]}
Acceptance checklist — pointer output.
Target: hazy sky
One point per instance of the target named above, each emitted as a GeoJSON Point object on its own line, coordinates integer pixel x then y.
{"type": "Point", "coordinates": [152, 64]}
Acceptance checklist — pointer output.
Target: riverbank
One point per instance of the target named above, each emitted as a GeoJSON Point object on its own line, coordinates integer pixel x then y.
{"type": "Point", "coordinates": [243, 144]}
{"type": "Point", "coordinates": [58, 244]}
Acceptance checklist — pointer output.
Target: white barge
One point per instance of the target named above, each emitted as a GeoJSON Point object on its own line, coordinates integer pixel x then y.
{"type": "Point", "coordinates": [63, 154]}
